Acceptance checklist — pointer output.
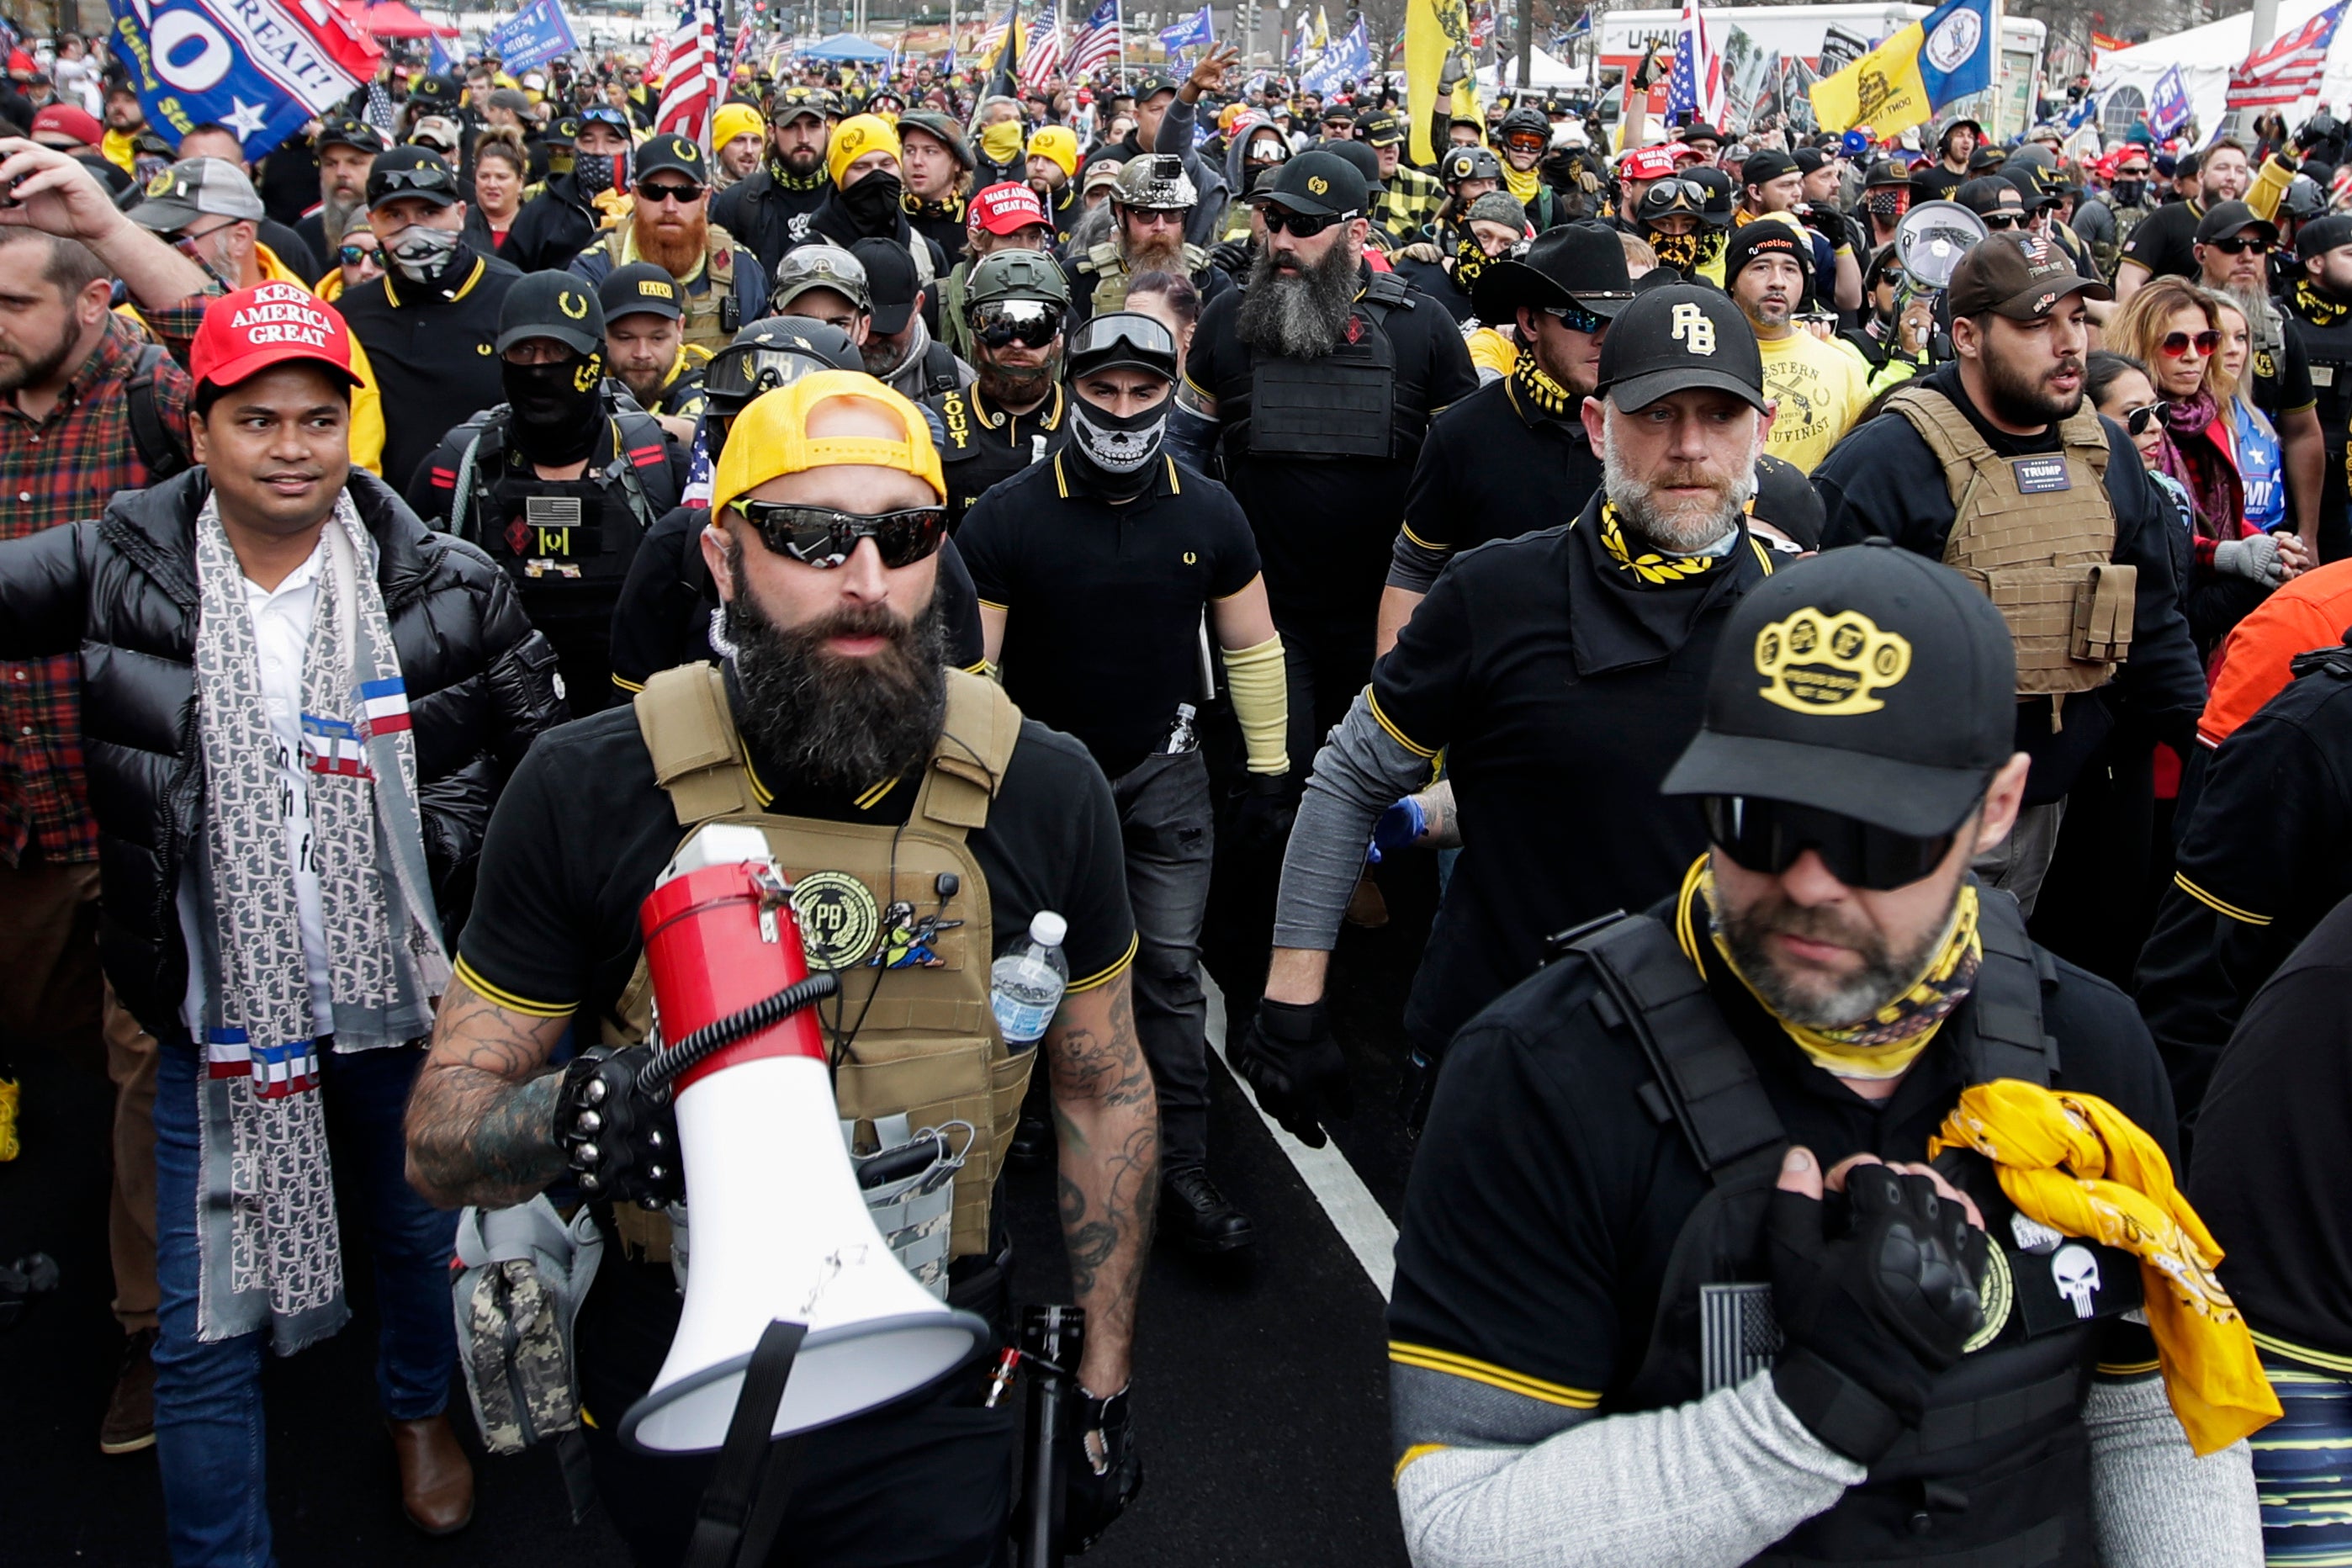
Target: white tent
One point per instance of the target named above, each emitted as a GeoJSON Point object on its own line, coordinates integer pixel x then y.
{"type": "Point", "coordinates": [2125, 83]}
{"type": "Point", "coordinates": [1542, 68]}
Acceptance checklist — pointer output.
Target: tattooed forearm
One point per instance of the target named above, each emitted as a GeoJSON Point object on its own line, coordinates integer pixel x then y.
{"type": "Point", "coordinates": [481, 1120]}
{"type": "Point", "coordinates": [1108, 1119]}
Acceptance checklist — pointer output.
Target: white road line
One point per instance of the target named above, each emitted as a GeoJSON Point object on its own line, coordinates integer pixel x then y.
{"type": "Point", "coordinates": [1350, 1205]}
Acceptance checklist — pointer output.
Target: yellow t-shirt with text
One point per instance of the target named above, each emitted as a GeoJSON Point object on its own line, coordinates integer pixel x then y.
{"type": "Point", "coordinates": [1818, 390]}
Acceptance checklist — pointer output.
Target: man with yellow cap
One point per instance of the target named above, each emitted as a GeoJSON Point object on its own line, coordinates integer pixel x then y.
{"type": "Point", "coordinates": [738, 137]}
{"type": "Point", "coordinates": [868, 197]}
{"type": "Point", "coordinates": [1053, 163]}
{"type": "Point", "coordinates": [940, 826]}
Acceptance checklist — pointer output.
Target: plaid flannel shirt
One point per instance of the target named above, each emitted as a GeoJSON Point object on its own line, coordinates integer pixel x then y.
{"type": "Point", "coordinates": [1408, 207]}
{"type": "Point", "coordinates": [55, 470]}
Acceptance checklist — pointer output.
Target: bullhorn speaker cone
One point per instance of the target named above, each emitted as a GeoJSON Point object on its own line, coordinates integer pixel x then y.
{"type": "Point", "coordinates": [1930, 239]}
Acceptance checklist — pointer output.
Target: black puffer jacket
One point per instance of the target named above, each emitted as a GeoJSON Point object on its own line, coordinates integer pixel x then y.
{"type": "Point", "coordinates": [122, 588]}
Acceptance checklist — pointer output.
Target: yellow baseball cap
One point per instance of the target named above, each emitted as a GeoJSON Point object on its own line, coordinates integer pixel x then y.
{"type": "Point", "coordinates": [854, 138]}
{"type": "Point", "coordinates": [771, 438]}
{"type": "Point", "coordinates": [1058, 142]}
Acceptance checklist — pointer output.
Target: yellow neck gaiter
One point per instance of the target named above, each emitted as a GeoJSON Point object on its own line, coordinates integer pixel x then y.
{"type": "Point", "coordinates": [1522, 183]}
{"type": "Point", "coordinates": [1886, 1044]}
{"type": "Point", "coordinates": [2080, 1166]}
{"type": "Point", "coordinates": [1540, 392]}
{"type": "Point", "coordinates": [1650, 567]}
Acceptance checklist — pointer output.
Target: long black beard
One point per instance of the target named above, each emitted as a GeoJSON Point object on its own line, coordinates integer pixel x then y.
{"type": "Point", "coordinates": [1023, 387]}
{"type": "Point", "coordinates": [1299, 315]}
{"type": "Point", "coordinates": [830, 722]}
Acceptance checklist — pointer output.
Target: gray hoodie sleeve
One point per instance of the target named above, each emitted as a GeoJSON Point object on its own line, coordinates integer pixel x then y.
{"type": "Point", "coordinates": [1176, 135]}
{"type": "Point", "coordinates": [2154, 1500]}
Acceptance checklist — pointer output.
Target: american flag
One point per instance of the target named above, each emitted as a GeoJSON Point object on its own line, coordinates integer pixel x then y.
{"type": "Point", "coordinates": [1099, 43]}
{"type": "Point", "coordinates": [1697, 85]}
{"type": "Point", "coordinates": [742, 47]}
{"type": "Point", "coordinates": [2288, 70]}
{"type": "Point", "coordinates": [1044, 55]}
{"type": "Point", "coordinates": [690, 95]}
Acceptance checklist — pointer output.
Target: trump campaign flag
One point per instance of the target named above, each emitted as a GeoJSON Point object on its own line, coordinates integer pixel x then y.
{"type": "Point", "coordinates": [2168, 103]}
{"type": "Point", "coordinates": [262, 67]}
{"type": "Point", "coordinates": [1946, 55]}
{"type": "Point", "coordinates": [533, 35]}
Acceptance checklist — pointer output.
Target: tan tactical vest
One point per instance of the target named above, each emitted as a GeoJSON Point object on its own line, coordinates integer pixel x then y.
{"type": "Point", "coordinates": [919, 1040]}
{"type": "Point", "coordinates": [703, 330]}
{"type": "Point", "coordinates": [2037, 535]}
{"type": "Point", "coordinates": [1111, 277]}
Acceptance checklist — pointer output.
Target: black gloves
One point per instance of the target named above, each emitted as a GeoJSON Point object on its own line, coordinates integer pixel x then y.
{"type": "Point", "coordinates": [1233, 257]}
{"type": "Point", "coordinates": [1289, 1057]}
{"type": "Point", "coordinates": [1871, 1315]}
{"type": "Point", "coordinates": [622, 1142]}
{"type": "Point", "coordinates": [1106, 1470]}
{"type": "Point", "coordinates": [1262, 813]}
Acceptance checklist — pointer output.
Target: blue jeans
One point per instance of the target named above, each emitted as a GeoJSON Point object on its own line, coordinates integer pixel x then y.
{"type": "Point", "coordinates": [209, 1437]}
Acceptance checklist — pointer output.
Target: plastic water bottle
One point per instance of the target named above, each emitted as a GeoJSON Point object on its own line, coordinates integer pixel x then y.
{"type": "Point", "coordinates": [1025, 984]}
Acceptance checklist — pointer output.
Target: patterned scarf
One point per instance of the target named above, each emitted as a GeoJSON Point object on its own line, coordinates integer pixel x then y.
{"type": "Point", "coordinates": [2204, 470]}
{"type": "Point", "coordinates": [1654, 567]}
{"type": "Point", "coordinates": [2316, 306]}
{"type": "Point", "coordinates": [1469, 261]}
{"type": "Point", "coordinates": [788, 181]}
{"type": "Point", "coordinates": [270, 1252]}
{"type": "Point", "coordinates": [1886, 1044]}
{"type": "Point", "coordinates": [1535, 389]}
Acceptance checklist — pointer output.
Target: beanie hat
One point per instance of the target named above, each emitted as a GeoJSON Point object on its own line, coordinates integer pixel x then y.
{"type": "Point", "coordinates": [855, 137]}
{"type": "Point", "coordinates": [1058, 142]}
{"type": "Point", "coordinates": [735, 120]}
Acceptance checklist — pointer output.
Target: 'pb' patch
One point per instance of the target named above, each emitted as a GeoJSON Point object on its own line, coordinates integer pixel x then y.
{"type": "Point", "coordinates": [838, 917]}
{"type": "Point", "coordinates": [2036, 476]}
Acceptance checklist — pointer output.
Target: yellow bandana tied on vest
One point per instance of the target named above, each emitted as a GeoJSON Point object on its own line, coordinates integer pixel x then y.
{"type": "Point", "coordinates": [2080, 1166]}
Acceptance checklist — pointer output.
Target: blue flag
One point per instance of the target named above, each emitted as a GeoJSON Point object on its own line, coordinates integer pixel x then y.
{"type": "Point", "coordinates": [1192, 32]}
{"type": "Point", "coordinates": [262, 67]}
{"type": "Point", "coordinates": [2168, 103]}
{"type": "Point", "coordinates": [1956, 52]}
{"type": "Point", "coordinates": [533, 35]}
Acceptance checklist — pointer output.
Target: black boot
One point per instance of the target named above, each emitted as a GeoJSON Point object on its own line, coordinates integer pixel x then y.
{"type": "Point", "coordinates": [1199, 1216]}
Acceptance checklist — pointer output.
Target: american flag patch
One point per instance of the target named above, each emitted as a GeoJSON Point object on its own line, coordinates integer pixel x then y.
{"type": "Point", "coordinates": [385, 702]}
{"type": "Point", "coordinates": [332, 746]}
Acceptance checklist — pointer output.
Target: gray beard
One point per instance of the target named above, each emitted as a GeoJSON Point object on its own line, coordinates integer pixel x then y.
{"type": "Point", "coordinates": [1884, 975]}
{"type": "Point", "coordinates": [1154, 255]}
{"type": "Point", "coordinates": [833, 722]}
{"type": "Point", "coordinates": [1684, 530]}
{"type": "Point", "coordinates": [335, 220]}
{"type": "Point", "coordinates": [2255, 305]}
{"type": "Point", "coordinates": [1301, 316]}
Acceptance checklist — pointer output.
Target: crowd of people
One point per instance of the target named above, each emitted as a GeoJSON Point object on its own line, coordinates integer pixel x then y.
{"type": "Point", "coordinates": [1869, 1071]}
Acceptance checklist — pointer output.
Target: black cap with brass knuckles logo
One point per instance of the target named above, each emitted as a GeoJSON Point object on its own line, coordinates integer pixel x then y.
{"type": "Point", "coordinates": [640, 289]}
{"type": "Point", "coordinates": [1680, 338]}
{"type": "Point", "coordinates": [1870, 682]}
{"type": "Point", "coordinates": [552, 305]}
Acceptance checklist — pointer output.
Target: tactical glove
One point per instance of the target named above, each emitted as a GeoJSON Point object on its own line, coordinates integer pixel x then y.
{"type": "Point", "coordinates": [1290, 1058]}
{"type": "Point", "coordinates": [1870, 1317]}
{"type": "Point", "coordinates": [622, 1142]}
{"type": "Point", "coordinates": [1261, 814]}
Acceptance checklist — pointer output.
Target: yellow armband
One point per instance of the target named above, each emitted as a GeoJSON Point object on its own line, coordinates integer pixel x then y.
{"type": "Point", "coordinates": [1262, 703]}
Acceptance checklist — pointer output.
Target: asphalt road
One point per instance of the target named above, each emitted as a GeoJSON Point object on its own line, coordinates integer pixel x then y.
{"type": "Point", "coordinates": [1260, 1388]}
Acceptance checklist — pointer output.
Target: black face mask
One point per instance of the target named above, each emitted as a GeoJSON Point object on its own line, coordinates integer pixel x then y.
{"type": "Point", "coordinates": [596, 173]}
{"type": "Point", "coordinates": [2128, 192]}
{"type": "Point", "coordinates": [873, 204]}
{"type": "Point", "coordinates": [1117, 458]}
{"type": "Point", "coordinates": [558, 409]}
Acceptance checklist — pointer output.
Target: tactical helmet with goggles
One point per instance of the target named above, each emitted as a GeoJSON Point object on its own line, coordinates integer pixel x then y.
{"type": "Point", "coordinates": [1155, 182]}
{"type": "Point", "coordinates": [1461, 163]}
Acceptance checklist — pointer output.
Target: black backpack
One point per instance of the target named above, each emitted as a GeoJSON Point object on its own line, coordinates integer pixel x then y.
{"type": "Point", "coordinates": [150, 438]}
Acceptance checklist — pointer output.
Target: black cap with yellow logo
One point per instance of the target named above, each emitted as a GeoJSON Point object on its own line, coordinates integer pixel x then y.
{"type": "Point", "coordinates": [642, 287]}
{"type": "Point", "coordinates": [552, 305]}
{"type": "Point", "coordinates": [1871, 682]}
{"type": "Point", "coordinates": [1680, 337]}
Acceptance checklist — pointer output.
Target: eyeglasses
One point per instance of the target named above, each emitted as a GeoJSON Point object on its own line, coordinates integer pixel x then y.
{"type": "Point", "coordinates": [1997, 221]}
{"type": "Point", "coordinates": [684, 195]}
{"type": "Point", "coordinates": [2234, 246]}
{"type": "Point", "coordinates": [1032, 324]}
{"type": "Point", "coordinates": [2136, 420]}
{"type": "Point", "coordinates": [1768, 837]}
{"type": "Point", "coordinates": [184, 242]}
{"type": "Point", "coordinates": [2176, 344]}
{"type": "Point", "coordinates": [819, 536]}
{"type": "Point", "coordinates": [426, 179]}
{"type": "Point", "coordinates": [1576, 319]}
{"type": "Point", "coordinates": [1154, 217]}
{"type": "Point", "coordinates": [1282, 220]}
{"type": "Point", "coordinates": [353, 255]}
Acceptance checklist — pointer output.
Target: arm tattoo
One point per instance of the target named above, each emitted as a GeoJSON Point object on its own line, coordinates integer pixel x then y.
{"type": "Point", "coordinates": [481, 1121]}
{"type": "Point", "coordinates": [1109, 1123]}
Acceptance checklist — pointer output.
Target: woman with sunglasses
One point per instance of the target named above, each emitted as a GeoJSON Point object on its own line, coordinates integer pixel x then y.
{"type": "Point", "coordinates": [2174, 329]}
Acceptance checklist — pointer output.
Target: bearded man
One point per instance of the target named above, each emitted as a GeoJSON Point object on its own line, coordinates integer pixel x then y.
{"type": "Point", "coordinates": [2014, 393]}
{"type": "Point", "coordinates": [1151, 207]}
{"type": "Point", "coordinates": [1563, 672]}
{"type": "Point", "coordinates": [1013, 415]}
{"type": "Point", "coordinates": [759, 210]}
{"type": "Point", "coordinates": [671, 226]}
{"type": "Point", "coordinates": [346, 148]}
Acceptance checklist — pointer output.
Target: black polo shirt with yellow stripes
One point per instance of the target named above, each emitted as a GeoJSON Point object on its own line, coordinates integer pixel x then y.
{"type": "Point", "coordinates": [583, 831]}
{"type": "Point", "coordinates": [1563, 672]}
{"type": "Point", "coordinates": [435, 353]}
{"type": "Point", "coordinates": [1103, 602]}
{"type": "Point", "coordinates": [986, 443]}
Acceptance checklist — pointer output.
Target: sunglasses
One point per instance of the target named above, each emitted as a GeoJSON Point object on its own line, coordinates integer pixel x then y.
{"type": "Point", "coordinates": [1526, 142]}
{"type": "Point", "coordinates": [1282, 220]}
{"type": "Point", "coordinates": [2176, 344]}
{"type": "Point", "coordinates": [184, 242]}
{"type": "Point", "coordinates": [2237, 246]}
{"type": "Point", "coordinates": [428, 179]}
{"type": "Point", "coordinates": [684, 195]}
{"type": "Point", "coordinates": [2131, 174]}
{"type": "Point", "coordinates": [1998, 221]}
{"type": "Point", "coordinates": [819, 536]}
{"type": "Point", "coordinates": [1576, 319]}
{"type": "Point", "coordinates": [1768, 837]}
{"type": "Point", "coordinates": [1032, 324]}
{"type": "Point", "coordinates": [2136, 420]}
{"type": "Point", "coordinates": [353, 255]}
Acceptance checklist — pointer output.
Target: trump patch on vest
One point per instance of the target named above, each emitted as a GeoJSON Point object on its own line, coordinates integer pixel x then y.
{"type": "Point", "coordinates": [2037, 475]}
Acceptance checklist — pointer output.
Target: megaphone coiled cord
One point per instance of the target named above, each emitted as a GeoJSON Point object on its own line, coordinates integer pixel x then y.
{"type": "Point", "coordinates": [675, 1059]}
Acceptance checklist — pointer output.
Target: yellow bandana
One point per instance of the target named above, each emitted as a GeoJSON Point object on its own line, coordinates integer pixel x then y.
{"type": "Point", "coordinates": [2079, 1165]}
{"type": "Point", "coordinates": [2317, 308]}
{"type": "Point", "coordinates": [1534, 385]}
{"type": "Point", "coordinates": [1886, 1044]}
{"type": "Point", "coordinates": [1522, 183]}
{"type": "Point", "coordinates": [1650, 566]}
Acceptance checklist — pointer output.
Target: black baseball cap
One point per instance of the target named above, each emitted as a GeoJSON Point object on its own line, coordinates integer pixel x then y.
{"type": "Point", "coordinates": [2322, 235]}
{"type": "Point", "coordinates": [1676, 338]}
{"type": "Point", "coordinates": [556, 305]}
{"type": "Point", "coordinates": [1787, 499]}
{"type": "Point", "coordinates": [1990, 194]}
{"type": "Point", "coordinates": [1765, 166]}
{"type": "Point", "coordinates": [1157, 83]}
{"type": "Point", "coordinates": [640, 289]}
{"type": "Point", "coordinates": [563, 132]}
{"type": "Point", "coordinates": [1315, 184]}
{"type": "Point", "coordinates": [1579, 263]}
{"type": "Point", "coordinates": [890, 276]}
{"type": "Point", "coordinates": [1379, 128]}
{"type": "Point", "coordinates": [1810, 160]}
{"type": "Point", "coordinates": [2224, 219]}
{"type": "Point", "coordinates": [671, 151]}
{"type": "Point", "coordinates": [420, 171]}
{"type": "Point", "coordinates": [1871, 682]}
{"type": "Point", "coordinates": [2021, 275]}
{"type": "Point", "coordinates": [344, 131]}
